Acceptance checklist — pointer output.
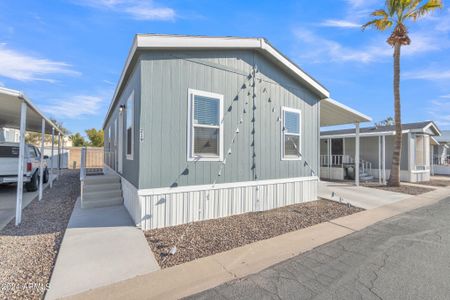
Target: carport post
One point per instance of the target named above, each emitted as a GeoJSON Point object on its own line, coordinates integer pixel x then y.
{"type": "Point", "coordinates": [19, 195]}
{"type": "Point", "coordinates": [384, 159]}
{"type": "Point", "coordinates": [379, 159]}
{"type": "Point", "coordinates": [432, 159]}
{"type": "Point", "coordinates": [59, 154]}
{"type": "Point", "coordinates": [41, 167]}
{"type": "Point", "coordinates": [51, 162]}
{"type": "Point", "coordinates": [357, 154]}
{"type": "Point", "coordinates": [329, 158]}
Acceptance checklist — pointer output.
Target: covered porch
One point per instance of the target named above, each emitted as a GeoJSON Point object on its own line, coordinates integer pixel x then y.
{"type": "Point", "coordinates": [333, 113]}
{"type": "Point", "coordinates": [18, 112]}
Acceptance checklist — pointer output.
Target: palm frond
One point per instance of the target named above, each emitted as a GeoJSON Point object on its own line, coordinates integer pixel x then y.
{"type": "Point", "coordinates": [425, 9]}
{"type": "Point", "coordinates": [380, 24]}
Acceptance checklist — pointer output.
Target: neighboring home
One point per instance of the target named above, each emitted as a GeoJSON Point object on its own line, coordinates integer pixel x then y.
{"type": "Point", "coordinates": [376, 146]}
{"type": "Point", "coordinates": [441, 154]}
{"type": "Point", "coordinates": [207, 127]}
{"type": "Point", "coordinates": [9, 135]}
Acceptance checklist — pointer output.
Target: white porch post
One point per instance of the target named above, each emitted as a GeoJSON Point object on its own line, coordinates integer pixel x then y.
{"type": "Point", "coordinates": [384, 159]}
{"type": "Point", "coordinates": [41, 166]}
{"type": "Point", "coordinates": [53, 157]}
{"type": "Point", "coordinates": [59, 154]}
{"type": "Point", "coordinates": [379, 159]}
{"type": "Point", "coordinates": [20, 167]}
{"type": "Point", "coordinates": [432, 159]}
{"type": "Point", "coordinates": [329, 158]}
{"type": "Point", "coordinates": [357, 154]}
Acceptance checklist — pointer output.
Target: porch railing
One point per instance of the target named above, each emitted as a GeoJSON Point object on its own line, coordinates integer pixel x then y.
{"type": "Point", "coordinates": [341, 160]}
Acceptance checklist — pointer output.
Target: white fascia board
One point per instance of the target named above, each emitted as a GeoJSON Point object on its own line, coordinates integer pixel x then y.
{"type": "Point", "coordinates": [278, 56]}
{"type": "Point", "coordinates": [143, 41]}
{"type": "Point", "coordinates": [434, 127]}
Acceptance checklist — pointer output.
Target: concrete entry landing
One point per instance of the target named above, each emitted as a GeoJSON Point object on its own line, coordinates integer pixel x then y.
{"type": "Point", "coordinates": [358, 196]}
{"type": "Point", "coordinates": [101, 246]}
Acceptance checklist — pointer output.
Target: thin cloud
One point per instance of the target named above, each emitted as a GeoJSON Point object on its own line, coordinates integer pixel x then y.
{"type": "Point", "coordinates": [439, 111]}
{"type": "Point", "coordinates": [428, 75]}
{"type": "Point", "coordinates": [138, 10]}
{"type": "Point", "coordinates": [74, 107]}
{"type": "Point", "coordinates": [339, 24]}
{"type": "Point", "coordinates": [330, 50]}
{"type": "Point", "coordinates": [20, 66]}
{"type": "Point", "coordinates": [446, 96]}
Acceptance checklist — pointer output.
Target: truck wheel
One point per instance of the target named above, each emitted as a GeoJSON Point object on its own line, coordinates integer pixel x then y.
{"type": "Point", "coordinates": [33, 184]}
{"type": "Point", "coordinates": [46, 175]}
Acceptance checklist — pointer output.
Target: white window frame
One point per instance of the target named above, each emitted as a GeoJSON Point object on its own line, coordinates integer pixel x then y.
{"type": "Point", "coordinates": [190, 132]}
{"type": "Point", "coordinates": [285, 109]}
{"type": "Point", "coordinates": [115, 131]}
{"type": "Point", "coordinates": [130, 98]}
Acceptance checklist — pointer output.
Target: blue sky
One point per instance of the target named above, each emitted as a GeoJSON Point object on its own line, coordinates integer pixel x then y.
{"type": "Point", "coordinates": [67, 55]}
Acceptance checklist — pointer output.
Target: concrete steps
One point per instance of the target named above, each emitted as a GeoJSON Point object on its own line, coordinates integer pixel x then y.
{"type": "Point", "coordinates": [101, 191]}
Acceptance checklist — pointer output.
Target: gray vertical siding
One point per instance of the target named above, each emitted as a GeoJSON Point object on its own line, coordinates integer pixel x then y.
{"type": "Point", "coordinates": [130, 167]}
{"type": "Point", "coordinates": [166, 78]}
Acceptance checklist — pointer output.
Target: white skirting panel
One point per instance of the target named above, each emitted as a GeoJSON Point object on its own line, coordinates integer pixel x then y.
{"type": "Point", "coordinates": [442, 169]}
{"type": "Point", "coordinates": [169, 207]}
{"type": "Point", "coordinates": [131, 200]}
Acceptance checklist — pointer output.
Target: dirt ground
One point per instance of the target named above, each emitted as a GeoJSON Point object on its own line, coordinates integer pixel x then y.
{"type": "Point", "coordinates": [28, 252]}
{"type": "Point", "coordinates": [204, 238]}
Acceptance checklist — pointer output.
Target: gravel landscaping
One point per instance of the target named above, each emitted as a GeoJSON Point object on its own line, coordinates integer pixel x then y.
{"type": "Point", "coordinates": [405, 189]}
{"type": "Point", "coordinates": [204, 238]}
{"type": "Point", "coordinates": [28, 252]}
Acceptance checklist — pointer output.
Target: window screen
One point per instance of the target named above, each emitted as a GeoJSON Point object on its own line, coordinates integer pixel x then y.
{"type": "Point", "coordinates": [291, 134]}
{"type": "Point", "coordinates": [205, 125]}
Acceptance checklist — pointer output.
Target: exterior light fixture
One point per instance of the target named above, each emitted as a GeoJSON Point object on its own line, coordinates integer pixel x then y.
{"type": "Point", "coordinates": [122, 108]}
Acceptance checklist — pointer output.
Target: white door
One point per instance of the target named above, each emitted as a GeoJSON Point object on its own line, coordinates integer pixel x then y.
{"type": "Point", "coordinates": [120, 141]}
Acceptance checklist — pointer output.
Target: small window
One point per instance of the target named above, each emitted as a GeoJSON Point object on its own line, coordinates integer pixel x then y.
{"type": "Point", "coordinates": [115, 132]}
{"type": "Point", "coordinates": [31, 152]}
{"type": "Point", "coordinates": [205, 140]}
{"type": "Point", "coordinates": [291, 134]}
{"type": "Point", "coordinates": [129, 126]}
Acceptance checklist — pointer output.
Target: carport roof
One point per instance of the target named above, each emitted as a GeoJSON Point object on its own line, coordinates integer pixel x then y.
{"type": "Point", "coordinates": [10, 101]}
{"type": "Point", "coordinates": [334, 113]}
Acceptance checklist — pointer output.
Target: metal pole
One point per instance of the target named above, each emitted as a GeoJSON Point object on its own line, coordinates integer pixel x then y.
{"type": "Point", "coordinates": [329, 158]}
{"type": "Point", "coordinates": [59, 154]}
{"type": "Point", "coordinates": [357, 154]}
{"type": "Point", "coordinates": [41, 167]}
{"type": "Point", "coordinates": [51, 162]}
{"type": "Point", "coordinates": [379, 159]}
{"type": "Point", "coordinates": [20, 167]}
{"type": "Point", "coordinates": [384, 159]}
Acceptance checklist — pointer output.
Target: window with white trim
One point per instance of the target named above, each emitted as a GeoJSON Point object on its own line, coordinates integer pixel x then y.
{"type": "Point", "coordinates": [205, 141]}
{"type": "Point", "coordinates": [291, 134]}
{"type": "Point", "coordinates": [129, 126]}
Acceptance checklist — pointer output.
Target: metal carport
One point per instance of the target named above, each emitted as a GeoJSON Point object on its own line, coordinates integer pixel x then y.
{"type": "Point", "coordinates": [334, 113]}
{"type": "Point", "coordinates": [17, 111]}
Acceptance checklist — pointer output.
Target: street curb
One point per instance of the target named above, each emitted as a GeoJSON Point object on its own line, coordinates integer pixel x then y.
{"type": "Point", "coordinates": [205, 273]}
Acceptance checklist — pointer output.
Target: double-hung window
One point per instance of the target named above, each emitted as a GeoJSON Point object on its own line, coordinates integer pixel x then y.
{"type": "Point", "coordinates": [205, 134]}
{"type": "Point", "coordinates": [291, 134]}
{"type": "Point", "coordinates": [129, 126]}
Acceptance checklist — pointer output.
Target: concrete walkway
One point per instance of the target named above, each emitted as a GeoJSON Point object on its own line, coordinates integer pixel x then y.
{"type": "Point", "coordinates": [358, 196]}
{"type": "Point", "coordinates": [8, 202]}
{"type": "Point", "coordinates": [207, 272]}
{"type": "Point", "coordinates": [101, 246]}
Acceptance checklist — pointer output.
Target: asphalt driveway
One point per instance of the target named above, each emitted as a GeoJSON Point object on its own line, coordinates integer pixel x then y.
{"type": "Point", "coordinates": [405, 257]}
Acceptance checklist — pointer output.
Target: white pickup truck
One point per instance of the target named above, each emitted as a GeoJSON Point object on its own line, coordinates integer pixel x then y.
{"type": "Point", "coordinates": [9, 161]}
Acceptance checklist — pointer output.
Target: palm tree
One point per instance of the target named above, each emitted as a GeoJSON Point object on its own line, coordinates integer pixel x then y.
{"type": "Point", "coordinates": [396, 14]}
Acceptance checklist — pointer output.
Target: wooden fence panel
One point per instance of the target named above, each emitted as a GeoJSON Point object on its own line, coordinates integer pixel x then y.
{"type": "Point", "coordinates": [94, 157]}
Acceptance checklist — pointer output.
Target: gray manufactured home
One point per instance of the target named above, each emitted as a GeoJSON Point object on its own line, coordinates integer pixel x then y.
{"type": "Point", "coordinates": [376, 147]}
{"type": "Point", "coordinates": [207, 127]}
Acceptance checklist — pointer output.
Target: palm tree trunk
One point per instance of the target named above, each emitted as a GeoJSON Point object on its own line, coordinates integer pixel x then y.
{"type": "Point", "coordinates": [394, 178]}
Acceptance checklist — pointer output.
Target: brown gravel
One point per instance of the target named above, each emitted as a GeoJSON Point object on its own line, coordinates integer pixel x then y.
{"type": "Point", "coordinates": [28, 252]}
{"type": "Point", "coordinates": [205, 238]}
{"type": "Point", "coordinates": [405, 189]}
